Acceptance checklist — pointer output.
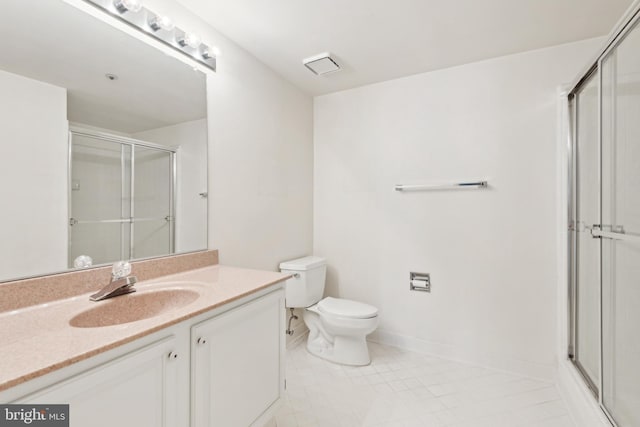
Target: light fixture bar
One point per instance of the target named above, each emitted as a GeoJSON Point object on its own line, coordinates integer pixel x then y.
{"type": "Point", "coordinates": [159, 28]}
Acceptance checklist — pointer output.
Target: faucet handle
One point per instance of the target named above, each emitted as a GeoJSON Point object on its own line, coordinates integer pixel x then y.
{"type": "Point", "coordinates": [120, 269]}
{"type": "Point", "coordinates": [83, 261]}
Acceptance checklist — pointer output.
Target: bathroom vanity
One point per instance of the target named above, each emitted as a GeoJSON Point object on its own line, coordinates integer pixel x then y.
{"type": "Point", "coordinates": [202, 347]}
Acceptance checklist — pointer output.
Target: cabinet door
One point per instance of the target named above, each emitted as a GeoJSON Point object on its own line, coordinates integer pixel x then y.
{"type": "Point", "coordinates": [237, 370]}
{"type": "Point", "coordinates": [135, 390]}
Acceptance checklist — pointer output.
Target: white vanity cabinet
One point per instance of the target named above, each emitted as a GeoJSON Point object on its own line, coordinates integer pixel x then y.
{"type": "Point", "coordinates": [237, 364]}
{"type": "Point", "coordinates": [223, 367]}
{"type": "Point", "coordinates": [137, 389]}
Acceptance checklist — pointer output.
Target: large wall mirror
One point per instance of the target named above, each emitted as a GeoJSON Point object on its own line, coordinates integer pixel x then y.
{"type": "Point", "coordinates": [104, 144]}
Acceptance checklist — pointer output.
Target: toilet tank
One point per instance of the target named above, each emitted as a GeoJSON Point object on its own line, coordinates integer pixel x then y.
{"type": "Point", "coordinates": [307, 286]}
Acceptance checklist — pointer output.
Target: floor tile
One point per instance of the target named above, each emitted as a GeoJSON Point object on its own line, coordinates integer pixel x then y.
{"type": "Point", "coordinates": [406, 389]}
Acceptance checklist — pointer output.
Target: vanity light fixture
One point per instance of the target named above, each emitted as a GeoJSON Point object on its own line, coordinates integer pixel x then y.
{"type": "Point", "coordinates": [190, 40]}
{"type": "Point", "coordinates": [133, 6]}
{"type": "Point", "coordinates": [157, 23]}
{"type": "Point", "coordinates": [161, 28]}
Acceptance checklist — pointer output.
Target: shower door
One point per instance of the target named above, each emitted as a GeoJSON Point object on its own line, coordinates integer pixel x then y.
{"type": "Point", "coordinates": [605, 228]}
{"type": "Point", "coordinates": [152, 207]}
{"type": "Point", "coordinates": [621, 231]}
{"type": "Point", "coordinates": [586, 348]}
{"type": "Point", "coordinates": [121, 198]}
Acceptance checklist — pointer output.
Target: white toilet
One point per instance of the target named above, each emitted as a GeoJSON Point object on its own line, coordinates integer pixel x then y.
{"type": "Point", "coordinates": [337, 327]}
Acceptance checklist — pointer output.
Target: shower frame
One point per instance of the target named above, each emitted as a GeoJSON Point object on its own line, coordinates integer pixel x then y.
{"type": "Point", "coordinates": [629, 21]}
{"type": "Point", "coordinates": [132, 143]}
{"type": "Point", "coordinates": [572, 210]}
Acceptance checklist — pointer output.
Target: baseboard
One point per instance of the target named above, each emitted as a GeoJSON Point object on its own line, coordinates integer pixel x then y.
{"type": "Point", "coordinates": [582, 405]}
{"type": "Point", "coordinates": [528, 369]}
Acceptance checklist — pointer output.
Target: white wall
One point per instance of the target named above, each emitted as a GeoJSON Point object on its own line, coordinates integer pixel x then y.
{"type": "Point", "coordinates": [491, 253]}
{"type": "Point", "coordinates": [260, 155]}
{"type": "Point", "coordinates": [191, 209]}
{"type": "Point", "coordinates": [33, 188]}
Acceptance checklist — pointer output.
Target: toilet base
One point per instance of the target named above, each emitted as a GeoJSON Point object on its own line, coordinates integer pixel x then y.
{"type": "Point", "coordinates": [351, 351]}
{"type": "Point", "coordinates": [348, 348]}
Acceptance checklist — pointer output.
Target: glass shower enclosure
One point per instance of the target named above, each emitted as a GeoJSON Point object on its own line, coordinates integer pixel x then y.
{"type": "Point", "coordinates": [604, 227]}
{"type": "Point", "coordinates": [121, 198]}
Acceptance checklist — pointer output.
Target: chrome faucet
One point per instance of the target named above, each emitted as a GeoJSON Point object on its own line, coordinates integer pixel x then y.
{"type": "Point", "coordinates": [121, 282]}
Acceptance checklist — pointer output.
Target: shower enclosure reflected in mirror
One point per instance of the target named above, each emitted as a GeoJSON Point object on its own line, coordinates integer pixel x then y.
{"type": "Point", "coordinates": [104, 146]}
{"type": "Point", "coordinates": [122, 198]}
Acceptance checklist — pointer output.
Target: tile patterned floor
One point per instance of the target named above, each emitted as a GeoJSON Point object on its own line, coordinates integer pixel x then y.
{"type": "Point", "coordinates": [407, 389]}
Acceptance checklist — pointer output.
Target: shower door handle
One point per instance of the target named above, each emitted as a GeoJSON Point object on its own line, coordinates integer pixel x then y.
{"type": "Point", "coordinates": [615, 235]}
{"type": "Point", "coordinates": [75, 221]}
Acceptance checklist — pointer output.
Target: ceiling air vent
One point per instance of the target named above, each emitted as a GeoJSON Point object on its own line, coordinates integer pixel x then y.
{"type": "Point", "coordinates": [321, 64]}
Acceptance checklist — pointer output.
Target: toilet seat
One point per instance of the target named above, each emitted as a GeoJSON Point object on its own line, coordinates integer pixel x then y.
{"type": "Point", "coordinates": [346, 308]}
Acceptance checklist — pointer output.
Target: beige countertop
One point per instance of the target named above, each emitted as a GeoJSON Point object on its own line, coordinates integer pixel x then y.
{"type": "Point", "coordinates": [36, 340]}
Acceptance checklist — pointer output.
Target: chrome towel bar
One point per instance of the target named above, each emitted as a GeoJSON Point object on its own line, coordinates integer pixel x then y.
{"type": "Point", "coordinates": [450, 186]}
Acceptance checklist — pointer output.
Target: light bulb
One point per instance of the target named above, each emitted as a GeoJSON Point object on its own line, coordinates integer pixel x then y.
{"type": "Point", "coordinates": [132, 6]}
{"type": "Point", "coordinates": [158, 22]}
{"type": "Point", "coordinates": [210, 52]}
{"type": "Point", "coordinates": [190, 39]}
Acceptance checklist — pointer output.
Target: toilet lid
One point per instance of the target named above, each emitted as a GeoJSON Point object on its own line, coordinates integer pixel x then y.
{"type": "Point", "coordinates": [347, 308]}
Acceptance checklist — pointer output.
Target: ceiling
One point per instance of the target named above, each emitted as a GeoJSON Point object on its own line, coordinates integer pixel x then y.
{"type": "Point", "coordinates": [56, 43]}
{"type": "Point", "coordinates": [377, 40]}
